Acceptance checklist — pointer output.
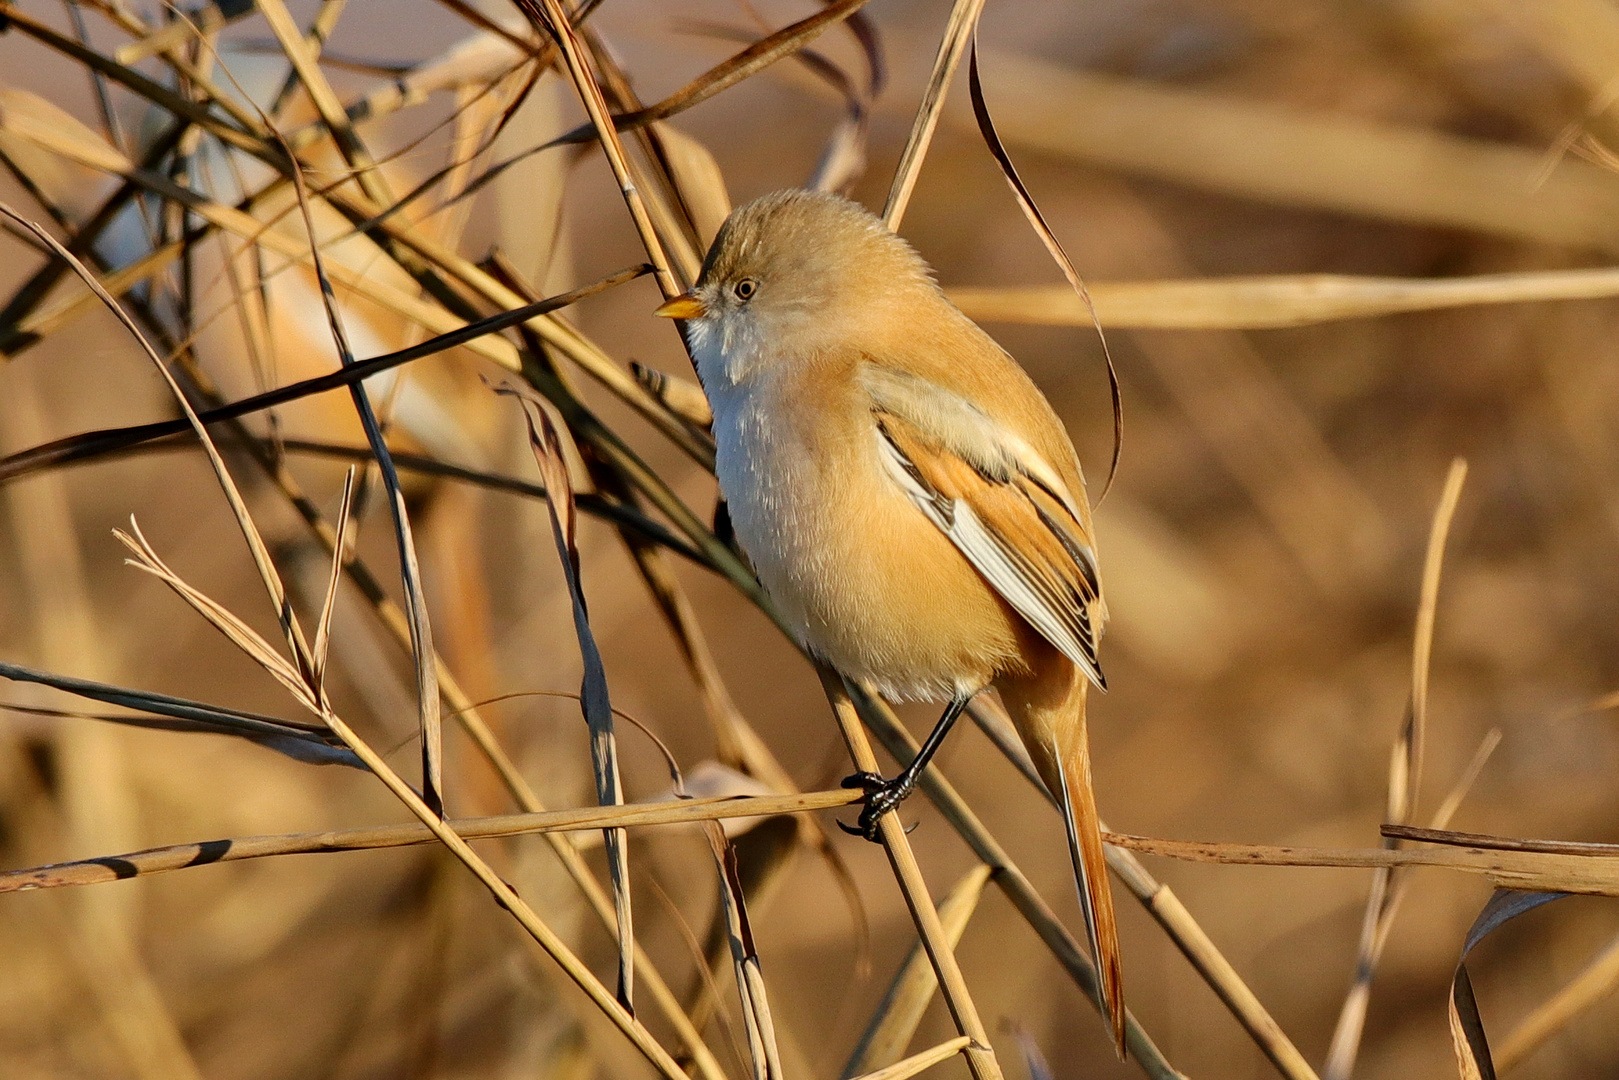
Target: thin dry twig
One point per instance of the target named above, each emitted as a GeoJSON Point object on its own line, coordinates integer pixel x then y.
{"type": "Point", "coordinates": [1404, 785]}
{"type": "Point", "coordinates": [183, 856]}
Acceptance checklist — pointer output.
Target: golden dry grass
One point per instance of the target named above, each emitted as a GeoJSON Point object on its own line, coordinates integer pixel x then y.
{"type": "Point", "coordinates": [1338, 246]}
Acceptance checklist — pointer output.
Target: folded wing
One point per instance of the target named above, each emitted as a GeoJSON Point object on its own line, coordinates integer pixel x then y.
{"type": "Point", "coordinates": [1002, 505]}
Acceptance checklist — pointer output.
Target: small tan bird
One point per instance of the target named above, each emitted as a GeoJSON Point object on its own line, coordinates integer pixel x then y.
{"type": "Point", "coordinates": [908, 498]}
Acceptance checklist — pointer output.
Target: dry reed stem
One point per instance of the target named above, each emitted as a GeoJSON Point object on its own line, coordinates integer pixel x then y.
{"type": "Point", "coordinates": [305, 66]}
{"type": "Point", "coordinates": [1011, 880]}
{"type": "Point", "coordinates": [503, 893]}
{"type": "Point", "coordinates": [1263, 302]}
{"type": "Point", "coordinates": [894, 1023]}
{"type": "Point", "coordinates": [1422, 640]}
{"type": "Point", "coordinates": [1382, 905]}
{"type": "Point", "coordinates": [1168, 911]}
{"type": "Point", "coordinates": [916, 1063]}
{"type": "Point", "coordinates": [952, 47]}
{"type": "Point", "coordinates": [549, 14]}
{"type": "Point", "coordinates": [908, 875]}
{"type": "Point", "coordinates": [1404, 787]}
{"type": "Point", "coordinates": [1534, 871]}
{"type": "Point", "coordinates": [422, 652]}
{"type": "Point", "coordinates": [162, 860]}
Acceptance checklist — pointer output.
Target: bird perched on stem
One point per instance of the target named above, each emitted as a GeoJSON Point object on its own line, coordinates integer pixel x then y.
{"type": "Point", "coordinates": [908, 498]}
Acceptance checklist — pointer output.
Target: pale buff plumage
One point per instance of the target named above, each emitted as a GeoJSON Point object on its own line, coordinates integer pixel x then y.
{"type": "Point", "coordinates": [909, 499]}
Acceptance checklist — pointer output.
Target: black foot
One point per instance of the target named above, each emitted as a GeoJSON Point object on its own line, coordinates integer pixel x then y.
{"type": "Point", "coordinates": [881, 797]}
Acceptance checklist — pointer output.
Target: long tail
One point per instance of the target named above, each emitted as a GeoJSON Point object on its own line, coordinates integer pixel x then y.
{"type": "Point", "coordinates": [1051, 720]}
{"type": "Point", "coordinates": [1078, 798]}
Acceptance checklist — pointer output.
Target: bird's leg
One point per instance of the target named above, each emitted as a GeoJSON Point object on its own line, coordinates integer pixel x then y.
{"type": "Point", "coordinates": [885, 795]}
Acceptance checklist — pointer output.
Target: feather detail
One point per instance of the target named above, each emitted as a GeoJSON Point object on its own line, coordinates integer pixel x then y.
{"type": "Point", "coordinates": [1004, 509]}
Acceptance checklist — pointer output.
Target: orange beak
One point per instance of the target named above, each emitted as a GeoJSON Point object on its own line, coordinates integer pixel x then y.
{"type": "Point", "coordinates": [684, 306]}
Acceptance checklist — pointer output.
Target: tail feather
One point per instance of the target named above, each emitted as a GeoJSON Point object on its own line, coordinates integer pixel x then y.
{"type": "Point", "coordinates": [1047, 706]}
{"type": "Point", "coordinates": [1090, 873]}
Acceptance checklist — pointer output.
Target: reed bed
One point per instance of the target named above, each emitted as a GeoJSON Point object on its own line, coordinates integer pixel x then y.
{"type": "Point", "coordinates": [353, 504]}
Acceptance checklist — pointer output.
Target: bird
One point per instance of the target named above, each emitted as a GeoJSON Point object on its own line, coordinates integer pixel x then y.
{"type": "Point", "coordinates": [908, 498]}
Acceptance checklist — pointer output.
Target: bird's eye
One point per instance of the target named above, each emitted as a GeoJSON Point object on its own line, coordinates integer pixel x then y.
{"type": "Point", "coordinates": [745, 289]}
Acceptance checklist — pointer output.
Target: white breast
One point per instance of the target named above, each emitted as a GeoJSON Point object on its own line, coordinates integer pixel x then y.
{"type": "Point", "coordinates": [772, 484]}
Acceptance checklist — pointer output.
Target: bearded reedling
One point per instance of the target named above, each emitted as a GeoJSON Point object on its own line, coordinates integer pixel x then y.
{"type": "Point", "coordinates": [908, 498]}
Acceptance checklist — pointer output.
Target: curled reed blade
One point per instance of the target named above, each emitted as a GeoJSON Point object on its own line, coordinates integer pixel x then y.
{"type": "Point", "coordinates": [1466, 1028]}
{"type": "Point", "coordinates": [545, 439]}
{"type": "Point", "coordinates": [1031, 211]}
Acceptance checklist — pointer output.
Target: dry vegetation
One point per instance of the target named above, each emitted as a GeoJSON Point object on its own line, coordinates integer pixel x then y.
{"type": "Point", "coordinates": [1361, 550]}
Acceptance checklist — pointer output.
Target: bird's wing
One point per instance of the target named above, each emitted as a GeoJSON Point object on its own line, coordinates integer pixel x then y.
{"type": "Point", "coordinates": [1003, 506]}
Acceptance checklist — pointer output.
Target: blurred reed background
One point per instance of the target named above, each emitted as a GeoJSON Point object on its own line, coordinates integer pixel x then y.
{"type": "Point", "coordinates": [1336, 245]}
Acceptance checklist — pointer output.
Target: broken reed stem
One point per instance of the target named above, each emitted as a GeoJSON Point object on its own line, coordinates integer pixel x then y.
{"type": "Point", "coordinates": [980, 1054]}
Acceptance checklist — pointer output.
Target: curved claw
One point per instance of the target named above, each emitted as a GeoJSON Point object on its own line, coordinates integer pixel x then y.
{"type": "Point", "coordinates": [866, 781]}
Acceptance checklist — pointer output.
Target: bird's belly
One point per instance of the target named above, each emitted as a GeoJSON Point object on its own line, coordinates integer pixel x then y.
{"type": "Point", "coordinates": [862, 577]}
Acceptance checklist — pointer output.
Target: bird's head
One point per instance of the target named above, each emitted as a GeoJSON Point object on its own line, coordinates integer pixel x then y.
{"type": "Point", "coordinates": [789, 274]}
